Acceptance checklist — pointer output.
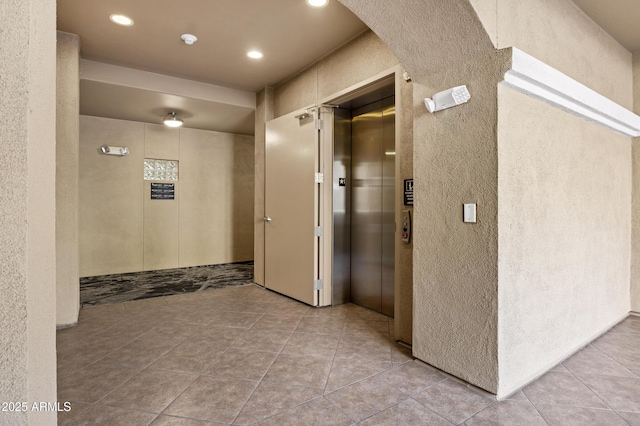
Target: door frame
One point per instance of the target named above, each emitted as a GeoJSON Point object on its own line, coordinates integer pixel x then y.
{"type": "Point", "coordinates": [384, 78]}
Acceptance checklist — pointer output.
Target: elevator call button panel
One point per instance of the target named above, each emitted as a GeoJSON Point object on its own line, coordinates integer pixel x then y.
{"type": "Point", "coordinates": [406, 226]}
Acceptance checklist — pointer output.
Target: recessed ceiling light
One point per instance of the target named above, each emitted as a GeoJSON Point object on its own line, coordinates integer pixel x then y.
{"type": "Point", "coordinates": [121, 20]}
{"type": "Point", "coordinates": [254, 54]}
{"type": "Point", "coordinates": [317, 3]}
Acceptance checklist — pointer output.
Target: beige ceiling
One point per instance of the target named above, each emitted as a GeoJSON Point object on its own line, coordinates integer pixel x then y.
{"type": "Point", "coordinates": [291, 34]}
{"type": "Point", "coordinates": [134, 104]}
{"type": "Point", "coordinates": [620, 18]}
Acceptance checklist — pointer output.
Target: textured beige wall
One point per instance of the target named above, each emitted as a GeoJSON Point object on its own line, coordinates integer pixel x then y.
{"type": "Point", "coordinates": [216, 206]}
{"type": "Point", "coordinates": [420, 35]}
{"type": "Point", "coordinates": [14, 131]}
{"type": "Point", "coordinates": [27, 207]}
{"type": "Point", "coordinates": [161, 235]}
{"type": "Point", "coordinates": [455, 263]}
{"type": "Point", "coordinates": [564, 234]}
{"type": "Point", "coordinates": [264, 113]}
{"type": "Point", "coordinates": [558, 33]}
{"type": "Point", "coordinates": [210, 221]}
{"type": "Point", "coordinates": [487, 11]}
{"type": "Point", "coordinates": [67, 147]}
{"type": "Point", "coordinates": [111, 191]}
{"type": "Point", "coordinates": [362, 58]}
{"type": "Point", "coordinates": [299, 91]}
{"type": "Point", "coordinates": [635, 240]}
{"type": "Point", "coordinates": [161, 217]}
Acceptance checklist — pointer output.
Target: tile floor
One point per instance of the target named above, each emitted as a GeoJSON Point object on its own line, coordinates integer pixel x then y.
{"type": "Point", "coordinates": [245, 355]}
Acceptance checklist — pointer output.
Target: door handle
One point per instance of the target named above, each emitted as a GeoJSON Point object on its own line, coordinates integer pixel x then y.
{"type": "Point", "coordinates": [266, 219]}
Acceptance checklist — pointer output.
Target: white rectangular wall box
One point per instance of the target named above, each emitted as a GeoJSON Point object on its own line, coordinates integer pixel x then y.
{"type": "Point", "coordinates": [470, 213]}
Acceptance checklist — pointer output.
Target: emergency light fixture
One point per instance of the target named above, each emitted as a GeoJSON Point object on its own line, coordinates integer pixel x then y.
{"type": "Point", "coordinates": [447, 99]}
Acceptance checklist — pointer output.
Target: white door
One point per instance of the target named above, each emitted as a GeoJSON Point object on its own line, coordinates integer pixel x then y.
{"type": "Point", "coordinates": [291, 207]}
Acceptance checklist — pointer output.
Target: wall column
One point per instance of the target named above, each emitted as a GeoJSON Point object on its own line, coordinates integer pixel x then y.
{"type": "Point", "coordinates": [455, 277]}
{"type": "Point", "coordinates": [27, 207]}
{"type": "Point", "coordinates": [67, 140]}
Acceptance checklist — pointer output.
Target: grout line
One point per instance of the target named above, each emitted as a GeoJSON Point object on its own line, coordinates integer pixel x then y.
{"type": "Point", "coordinates": [89, 405]}
{"type": "Point", "coordinates": [491, 404]}
{"type": "Point", "coordinates": [397, 404]}
{"type": "Point", "coordinates": [344, 324]}
{"type": "Point", "coordinates": [409, 396]}
{"type": "Point", "coordinates": [178, 396]}
{"type": "Point", "coordinates": [593, 392]}
{"type": "Point", "coordinates": [128, 409]}
{"type": "Point", "coordinates": [340, 409]}
{"type": "Point", "coordinates": [531, 403]}
{"type": "Point", "coordinates": [270, 305]}
{"type": "Point", "coordinates": [606, 354]}
{"type": "Point", "coordinates": [267, 371]}
{"type": "Point", "coordinates": [200, 375]}
{"type": "Point", "coordinates": [534, 406]}
{"type": "Point", "coordinates": [262, 378]}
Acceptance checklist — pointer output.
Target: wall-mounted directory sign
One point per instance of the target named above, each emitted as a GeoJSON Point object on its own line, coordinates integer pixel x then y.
{"type": "Point", "coordinates": [163, 191]}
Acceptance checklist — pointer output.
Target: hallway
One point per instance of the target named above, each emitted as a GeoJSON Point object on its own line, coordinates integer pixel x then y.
{"type": "Point", "coordinates": [245, 355]}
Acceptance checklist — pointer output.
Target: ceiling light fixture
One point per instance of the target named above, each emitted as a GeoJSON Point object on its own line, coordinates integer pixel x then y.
{"type": "Point", "coordinates": [189, 39]}
{"type": "Point", "coordinates": [172, 120]}
{"type": "Point", "coordinates": [254, 54]}
{"type": "Point", "coordinates": [121, 20]}
{"type": "Point", "coordinates": [317, 3]}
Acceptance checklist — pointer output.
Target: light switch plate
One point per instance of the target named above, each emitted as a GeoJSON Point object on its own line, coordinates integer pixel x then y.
{"type": "Point", "coordinates": [469, 213]}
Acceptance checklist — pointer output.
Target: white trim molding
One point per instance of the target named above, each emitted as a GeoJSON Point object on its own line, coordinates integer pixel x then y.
{"type": "Point", "coordinates": [535, 78]}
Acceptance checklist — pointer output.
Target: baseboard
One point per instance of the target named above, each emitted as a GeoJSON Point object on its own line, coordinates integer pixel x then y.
{"type": "Point", "coordinates": [63, 326]}
{"type": "Point", "coordinates": [502, 396]}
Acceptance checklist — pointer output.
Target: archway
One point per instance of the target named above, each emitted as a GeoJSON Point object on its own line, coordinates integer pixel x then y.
{"type": "Point", "coordinates": [455, 299]}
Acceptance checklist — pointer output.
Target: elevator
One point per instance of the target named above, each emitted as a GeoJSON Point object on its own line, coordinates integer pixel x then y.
{"type": "Point", "coordinates": [363, 201]}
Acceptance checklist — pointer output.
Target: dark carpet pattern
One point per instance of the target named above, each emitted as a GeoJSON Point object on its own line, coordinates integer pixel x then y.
{"type": "Point", "coordinates": [118, 288]}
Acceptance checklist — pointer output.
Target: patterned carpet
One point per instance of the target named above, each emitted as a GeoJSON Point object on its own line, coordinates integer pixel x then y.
{"type": "Point", "coordinates": [118, 288]}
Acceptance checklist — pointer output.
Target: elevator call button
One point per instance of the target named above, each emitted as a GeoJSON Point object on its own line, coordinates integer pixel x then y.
{"type": "Point", "coordinates": [406, 226]}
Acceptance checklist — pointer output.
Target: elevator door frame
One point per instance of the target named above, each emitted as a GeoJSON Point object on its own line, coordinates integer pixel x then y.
{"type": "Point", "coordinates": [378, 81]}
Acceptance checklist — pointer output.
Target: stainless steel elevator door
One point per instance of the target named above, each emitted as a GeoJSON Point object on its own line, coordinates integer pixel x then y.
{"type": "Point", "coordinates": [341, 285]}
{"type": "Point", "coordinates": [372, 206]}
